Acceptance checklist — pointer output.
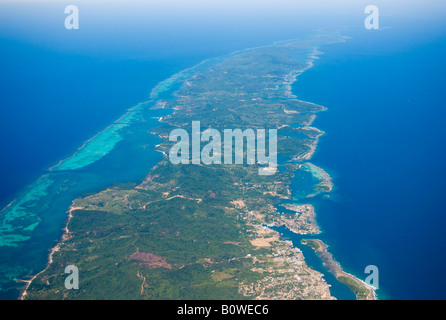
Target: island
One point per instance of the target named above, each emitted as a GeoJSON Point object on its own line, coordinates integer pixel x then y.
{"type": "Point", "coordinates": [202, 231]}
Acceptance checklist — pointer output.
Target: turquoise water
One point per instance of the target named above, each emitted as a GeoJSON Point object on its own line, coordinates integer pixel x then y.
{"type": "Point", "coordinates": [384, 146]}
{"type": "Point", "coordinates": [33, 223]}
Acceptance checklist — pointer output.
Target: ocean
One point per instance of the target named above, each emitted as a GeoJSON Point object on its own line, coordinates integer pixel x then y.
{"type": "Point", "coordinates": [62, 87]}
{"type": "Point", "coordinates": [383, 147]}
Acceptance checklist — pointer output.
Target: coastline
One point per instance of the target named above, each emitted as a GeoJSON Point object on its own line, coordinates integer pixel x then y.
{"type": "Point", "coordinates": [65, 236]}
{"type": "Point", "coordinates": [362, 290]}
{"type": "Point", "coordinates": [289, 80]}
{"type": "Point", "coordinates": [56, 248]}
{"type": "Point", "coordinates": [356, 285]}
{"type": "Point", "coordinates": [325, 182]}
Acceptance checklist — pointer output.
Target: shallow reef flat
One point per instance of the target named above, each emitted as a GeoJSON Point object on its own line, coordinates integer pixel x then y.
{"type": "Point", "coordinates": [362, 290]}
{"type": "Point", "coordinates": [201, 231]}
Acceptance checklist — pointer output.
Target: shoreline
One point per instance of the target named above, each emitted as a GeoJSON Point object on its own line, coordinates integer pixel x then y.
{"type": "Point", "coordinates": [65, 235]}
{"type": "Point", "coordinates": [326, 185]}
{"type": "Point", "coordinates": [362, 290]}
{"type": "Point", "coordinates": [288, 82]}
{"type": "Point", "coordinates": [56, 248]}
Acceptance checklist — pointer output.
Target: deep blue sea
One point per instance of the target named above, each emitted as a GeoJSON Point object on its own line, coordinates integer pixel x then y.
{"type": "Point", "coordinates": [385, 148]}
{"type": "Point", "coordinates": [384, 144]}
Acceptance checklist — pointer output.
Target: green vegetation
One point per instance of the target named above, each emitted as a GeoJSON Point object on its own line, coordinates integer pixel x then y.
{"type": "Point", "coordinates": [312, 244]}
{"type": "Point", "coordinates": [356, 287]}
{"type": "Point", "coordinates": [193, 225]}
